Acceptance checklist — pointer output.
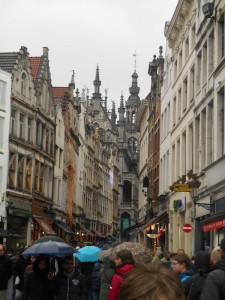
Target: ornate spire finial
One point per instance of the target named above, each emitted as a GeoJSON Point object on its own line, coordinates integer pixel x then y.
{"type": "Point", "coordinates": [160, 51]}
{"type": "Point", "coordinates": [135, 61]}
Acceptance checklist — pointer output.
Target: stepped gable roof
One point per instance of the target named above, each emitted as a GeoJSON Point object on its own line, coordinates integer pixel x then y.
{"type": "Point", "coordinates": [35, 63]}
{"type": "Point", "coordinates": [8, 60]}
{"type": "Point", "coordinates": [59, 91]}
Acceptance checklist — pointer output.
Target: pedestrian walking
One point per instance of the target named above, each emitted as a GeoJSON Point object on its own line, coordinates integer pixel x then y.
{"type": "Point", "coordinates": [214, 285]}
{"type": "Point", "coordinates": [70, 282]}
{"type": "Point", "coordinates": [194, 284]}
{"type": "Point", "coordinates": [38, 283]}
{"type": "Point", "coordinates": [6, 272]}
{"type": "Point", "coordinates": [124, 262]}
{"type": "Point", "coordinates": [182, 265]}
{"type": "Point", "coordinates": [96, 281]}
{"type": "Point", "coordinates": [107, 272]}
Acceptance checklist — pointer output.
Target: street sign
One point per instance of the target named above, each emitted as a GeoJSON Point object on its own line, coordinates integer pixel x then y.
{"type": "Point", "coordinates": [187, 227]}
{"type": "Point", "coordinates": [181, 187]}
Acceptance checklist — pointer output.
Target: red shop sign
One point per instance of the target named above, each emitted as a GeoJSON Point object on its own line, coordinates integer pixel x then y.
{"type": "Point", "coordinates": [214, 225]}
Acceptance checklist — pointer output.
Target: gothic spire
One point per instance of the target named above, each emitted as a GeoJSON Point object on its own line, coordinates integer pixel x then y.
{"type": "Point", "coordinates": [97, 84]}
{"type": "Point", "coordinates": [121, 101]}
{"type": "Point", "coordinates": [113, 113]}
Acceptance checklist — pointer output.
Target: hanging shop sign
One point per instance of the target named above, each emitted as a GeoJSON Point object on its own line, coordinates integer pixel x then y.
{"type": "Point", "coordinates": [181, 187]}
{"type": "Point", "coordinates": [214, 225]}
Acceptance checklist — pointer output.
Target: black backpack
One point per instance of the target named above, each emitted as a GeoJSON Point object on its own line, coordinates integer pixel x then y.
{"type": "Point", "coordinates": [197, 286]}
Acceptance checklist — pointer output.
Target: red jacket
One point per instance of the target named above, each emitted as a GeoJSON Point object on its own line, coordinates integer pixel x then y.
{"type": "Point", "coordinates": [117, 281]}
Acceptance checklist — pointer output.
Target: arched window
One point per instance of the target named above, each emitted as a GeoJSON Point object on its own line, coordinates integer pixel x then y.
{"type": "Point", "coordinates": [101, 133]}
{"type": "Point", "coordinates": [127, 191]}
{"type": "Point", "coordinates": [108, 135]}
{"type": "Point", "coordinates": [133, 145]}
{"type": "Point", "coordinates": [133, 117]}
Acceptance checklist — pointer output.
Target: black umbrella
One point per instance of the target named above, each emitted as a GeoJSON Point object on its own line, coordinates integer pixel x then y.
{"type": "Point", "coordinates": [48, 238]}
{"type": "Point", "coordinates": [49, 248]}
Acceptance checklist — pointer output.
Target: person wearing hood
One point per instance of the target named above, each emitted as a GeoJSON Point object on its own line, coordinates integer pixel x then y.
{"type": "Point", "coordinates": [214, 285]}
{"type": "Point", "coordinates": [124, 262]}
{"type": "Point", "coordinates": [71, 283]}
{"type": "Point", "coordinates": [38, 283]}
{"type": "Point", "coordinates": [182, 265]}
{"type": "Point", "coordinates": [194, 284]}
{"type": "Point", "coordinates": [107, 272]}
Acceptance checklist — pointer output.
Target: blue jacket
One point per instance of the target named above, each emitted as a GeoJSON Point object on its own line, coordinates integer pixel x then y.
{"type": "Point", "coordinates": [96, 277]}
{"type": "Point", "coordinates": [185, 275]}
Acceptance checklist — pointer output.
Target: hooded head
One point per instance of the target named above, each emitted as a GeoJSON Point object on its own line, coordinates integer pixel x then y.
{"type": "Point", "coordinates": [202, 260]}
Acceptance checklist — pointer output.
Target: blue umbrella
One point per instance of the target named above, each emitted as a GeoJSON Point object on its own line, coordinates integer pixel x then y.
{"type": "Point", "coordinates": [88, 254]}
{"type": "Point", "coordinates": [49, 248]}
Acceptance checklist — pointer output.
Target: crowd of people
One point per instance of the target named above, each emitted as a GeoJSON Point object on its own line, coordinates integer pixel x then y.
{"type": "Point", "coordinates": [171, 276]}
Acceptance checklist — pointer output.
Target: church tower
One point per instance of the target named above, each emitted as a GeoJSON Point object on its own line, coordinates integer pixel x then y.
{"type": "Point", "coordinates": [128, 143]}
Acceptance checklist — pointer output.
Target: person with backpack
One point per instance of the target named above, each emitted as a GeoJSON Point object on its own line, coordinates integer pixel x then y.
{"type": "Point", "coordinates": [124, 262]}
{"type": "Point", "coordinates": [194, 284]}
{"type": "Point", "coordinates": [214, 285]}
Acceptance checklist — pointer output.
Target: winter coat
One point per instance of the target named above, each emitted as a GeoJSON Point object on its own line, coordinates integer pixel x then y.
{"type": "Point", "coordinates": [96, 277]}
{"type": "Point", "coordinates": [117, 281]}
{"type": "Point", "coordinates": [214, 285]}
{"type": "Point", "coordinates": [37, 285]}
{"type": "Point", "coordinates": [86, 269]}
{"type": "Point", "coordinates": [6, 271]}
{"type": "Point", "coordinates": [107, 272]}
{"type": "Point", "coordinates": [71, 288]}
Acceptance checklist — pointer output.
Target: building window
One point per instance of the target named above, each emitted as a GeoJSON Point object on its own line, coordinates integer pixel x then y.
{"type": "Point", "coordinates": [47, 141]}
{"type": "Point", "coordinates": [192, 84]}
{"type": "Point", "coordinates": [186, 49]}
{"type": "Point", "coordinates": [1, 133]}
{"type": "Point", "coordinates": [39, 134]}
{"type": "Point", "coordinates": [36, 182]}
{"type": "Point", "coordinates": [29, 175]}
{"type": "Point", "coordinates": [1, 188]}
{"type": "Point", "coordinates": [220, 126]}
{"type": "Point", "coordinates": [42, 179]}
{"type": "Point", "coordinates": [12, 170]}
{"type": "Point", "coordinates": [29, 129]}
{"type": "Point", "coordinates": [174, 111]}
{"type": "Point", "coordinates": [2, 94]}
{"type": "Point", "coordinates": [21, 126]}
{"type": "Point", "coordinates": [193, 36]}
{"type": "Point", "coordinates": [20, 174]}
{"type": "Point", "coordinates": [205, 63]}
{"type": "Point", "coordinates": [199, 74]}
{"type": "Point", "coordinates": [211, 53]}
{"type": "Point", "coordinates": [13, 122]}
{"type": "Point", "coordinates": [185, 85]}
{"type": "Point", "coordinates": [221, 38]}
{"type": "Point", "coordinates": [210, 130]}
{"type": "Point", "coordinates": [52, 141]}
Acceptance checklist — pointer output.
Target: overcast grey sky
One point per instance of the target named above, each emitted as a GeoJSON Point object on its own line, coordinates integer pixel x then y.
{"type": "Point", "coordinates": [83, 33]}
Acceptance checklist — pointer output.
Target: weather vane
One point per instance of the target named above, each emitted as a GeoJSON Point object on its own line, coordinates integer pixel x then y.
{"type": "Point", "coordinates": [135, 60]}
